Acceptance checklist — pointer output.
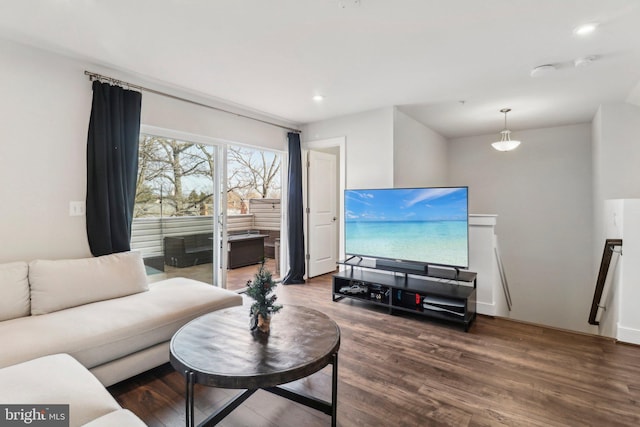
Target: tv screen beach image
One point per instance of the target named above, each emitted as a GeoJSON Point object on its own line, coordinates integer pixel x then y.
{"type": "Point", "coordinates": [428, 225]}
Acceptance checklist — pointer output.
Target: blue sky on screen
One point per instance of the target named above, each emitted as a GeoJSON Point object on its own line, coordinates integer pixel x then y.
{"type": "Point", "coordinates": [412, 204]}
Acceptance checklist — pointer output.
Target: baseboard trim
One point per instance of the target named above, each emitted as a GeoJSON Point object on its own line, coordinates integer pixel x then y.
{"type": "Point", "coordinates": [628, 335]}
{"type": "Point", "coordinates": [486, 308]}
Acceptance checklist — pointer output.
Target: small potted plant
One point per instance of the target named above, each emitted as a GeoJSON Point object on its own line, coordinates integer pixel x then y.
{"type": "Point", "coordinates": [264, 306]}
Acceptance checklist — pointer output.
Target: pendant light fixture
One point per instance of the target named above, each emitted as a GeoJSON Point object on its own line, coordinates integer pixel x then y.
{"type": "Point", "coordinates": [505, 143]}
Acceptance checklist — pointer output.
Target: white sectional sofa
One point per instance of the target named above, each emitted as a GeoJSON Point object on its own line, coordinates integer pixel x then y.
{"type": "Point", "coordinates": [101, 311]}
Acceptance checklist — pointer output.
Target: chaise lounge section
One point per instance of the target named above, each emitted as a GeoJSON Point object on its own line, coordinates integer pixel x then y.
{"type": "Point", "coordinates": [101, 311]}
{"type": "Point", "coordinates": [60, 380]}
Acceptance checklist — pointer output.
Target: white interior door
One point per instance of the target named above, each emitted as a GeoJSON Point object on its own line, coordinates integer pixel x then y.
{"type": "Point", "coordinates": [321, 211]}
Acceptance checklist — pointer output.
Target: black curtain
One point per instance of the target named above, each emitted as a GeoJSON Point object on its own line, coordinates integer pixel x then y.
{"type": "Point", "coordinates": [112, 167]}
{"type": "Point", "coordinates": [294, 210]}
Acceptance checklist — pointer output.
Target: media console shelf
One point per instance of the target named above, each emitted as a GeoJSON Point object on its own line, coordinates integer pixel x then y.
{"type": "Point", "coordinates": [408, 290]}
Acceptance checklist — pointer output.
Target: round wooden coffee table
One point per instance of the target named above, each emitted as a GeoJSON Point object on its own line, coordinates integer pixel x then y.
{"type": "Point", "coordinates": [219, 350]}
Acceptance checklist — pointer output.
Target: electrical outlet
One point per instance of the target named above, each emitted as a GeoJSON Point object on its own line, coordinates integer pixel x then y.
{"type": "Point", "coordinates": [76, 208]}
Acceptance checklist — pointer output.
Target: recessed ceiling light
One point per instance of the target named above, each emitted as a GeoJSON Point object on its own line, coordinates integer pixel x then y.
{"type": "Point", "coordinates": [318, 98]}
{"type": "Point", "coordinates": [583, 30]}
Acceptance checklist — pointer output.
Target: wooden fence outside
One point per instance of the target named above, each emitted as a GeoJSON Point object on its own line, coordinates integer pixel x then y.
{"type": "Point", "coordinates": [147, 234]}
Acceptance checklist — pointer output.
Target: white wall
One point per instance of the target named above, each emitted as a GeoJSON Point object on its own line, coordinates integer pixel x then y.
{"type": "Point", "coordinates": [386, 148]}
{"type": "Point", "coordinates": [628, 313]}
{"type": "Point", "coordinates": [369, 145]}
{"type": "Point", "coordinates": [616, 156]}
{"type": "Point", "coordinates": [621, 317]}
{"type": "Point", "coordinates": [599, 232]}
{"type": "Point", "coordinates": [45, 107]}
{"type": "Point", "coordinates": [419, 154]}
{"type": "Point", "coordinates": [542, 194]}
{"type": "Point", "coordinates": [172, 114]}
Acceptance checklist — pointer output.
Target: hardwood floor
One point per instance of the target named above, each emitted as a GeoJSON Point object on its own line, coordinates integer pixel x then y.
{"type": "Point", "coordinates": [404, 370]}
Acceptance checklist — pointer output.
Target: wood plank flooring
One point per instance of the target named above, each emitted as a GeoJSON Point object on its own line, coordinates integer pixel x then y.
{"type": "Point", "coordinates": [405, 370]}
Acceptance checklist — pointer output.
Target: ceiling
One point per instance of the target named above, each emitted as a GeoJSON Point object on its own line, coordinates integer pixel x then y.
{"type": "Point", "coordinates": [451, 64]}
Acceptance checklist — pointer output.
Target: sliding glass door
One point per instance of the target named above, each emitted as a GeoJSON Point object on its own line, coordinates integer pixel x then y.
{"type": "Point", "coordinates": [205, 209]}
{"type": "Point", "coordinates": [177, 216]}
{"type": "Point", "coordinates": [254, 214]}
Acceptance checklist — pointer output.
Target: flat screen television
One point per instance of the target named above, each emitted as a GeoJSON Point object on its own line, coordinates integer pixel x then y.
{"type": "Point", "coordinates": [416, 225]}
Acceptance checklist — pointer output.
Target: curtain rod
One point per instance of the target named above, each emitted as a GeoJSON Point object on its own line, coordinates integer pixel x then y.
{"type": "Point", "coordinates": [96, 76]}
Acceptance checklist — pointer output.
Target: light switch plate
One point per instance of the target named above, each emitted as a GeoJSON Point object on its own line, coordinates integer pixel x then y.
{"type": "Point", "coordinates": [76, 208]}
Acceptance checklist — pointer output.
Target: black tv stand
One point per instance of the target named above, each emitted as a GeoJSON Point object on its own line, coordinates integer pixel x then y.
{"type": "Point", "coordinates": [407, 290]}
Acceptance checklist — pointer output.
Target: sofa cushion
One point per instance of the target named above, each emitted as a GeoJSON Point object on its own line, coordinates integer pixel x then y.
{"type": "Point", "coordinates": [57, 379]}
{"type": "Point", "coordinates": [103, 331]}
{"type": "Point", "coordinates": [60, 284]}
{"type": "Point", "coordinates": [14, 290]}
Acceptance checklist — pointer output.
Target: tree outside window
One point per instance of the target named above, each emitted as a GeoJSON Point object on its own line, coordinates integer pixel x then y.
{"type": "Point", "coordinates": [251, 174]}
{"type": "Point", "coordinates": [175, 178]}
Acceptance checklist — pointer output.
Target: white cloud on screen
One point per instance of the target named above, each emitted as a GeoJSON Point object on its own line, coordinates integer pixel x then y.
{"type": "Point", "coordinates": [430, 194]}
